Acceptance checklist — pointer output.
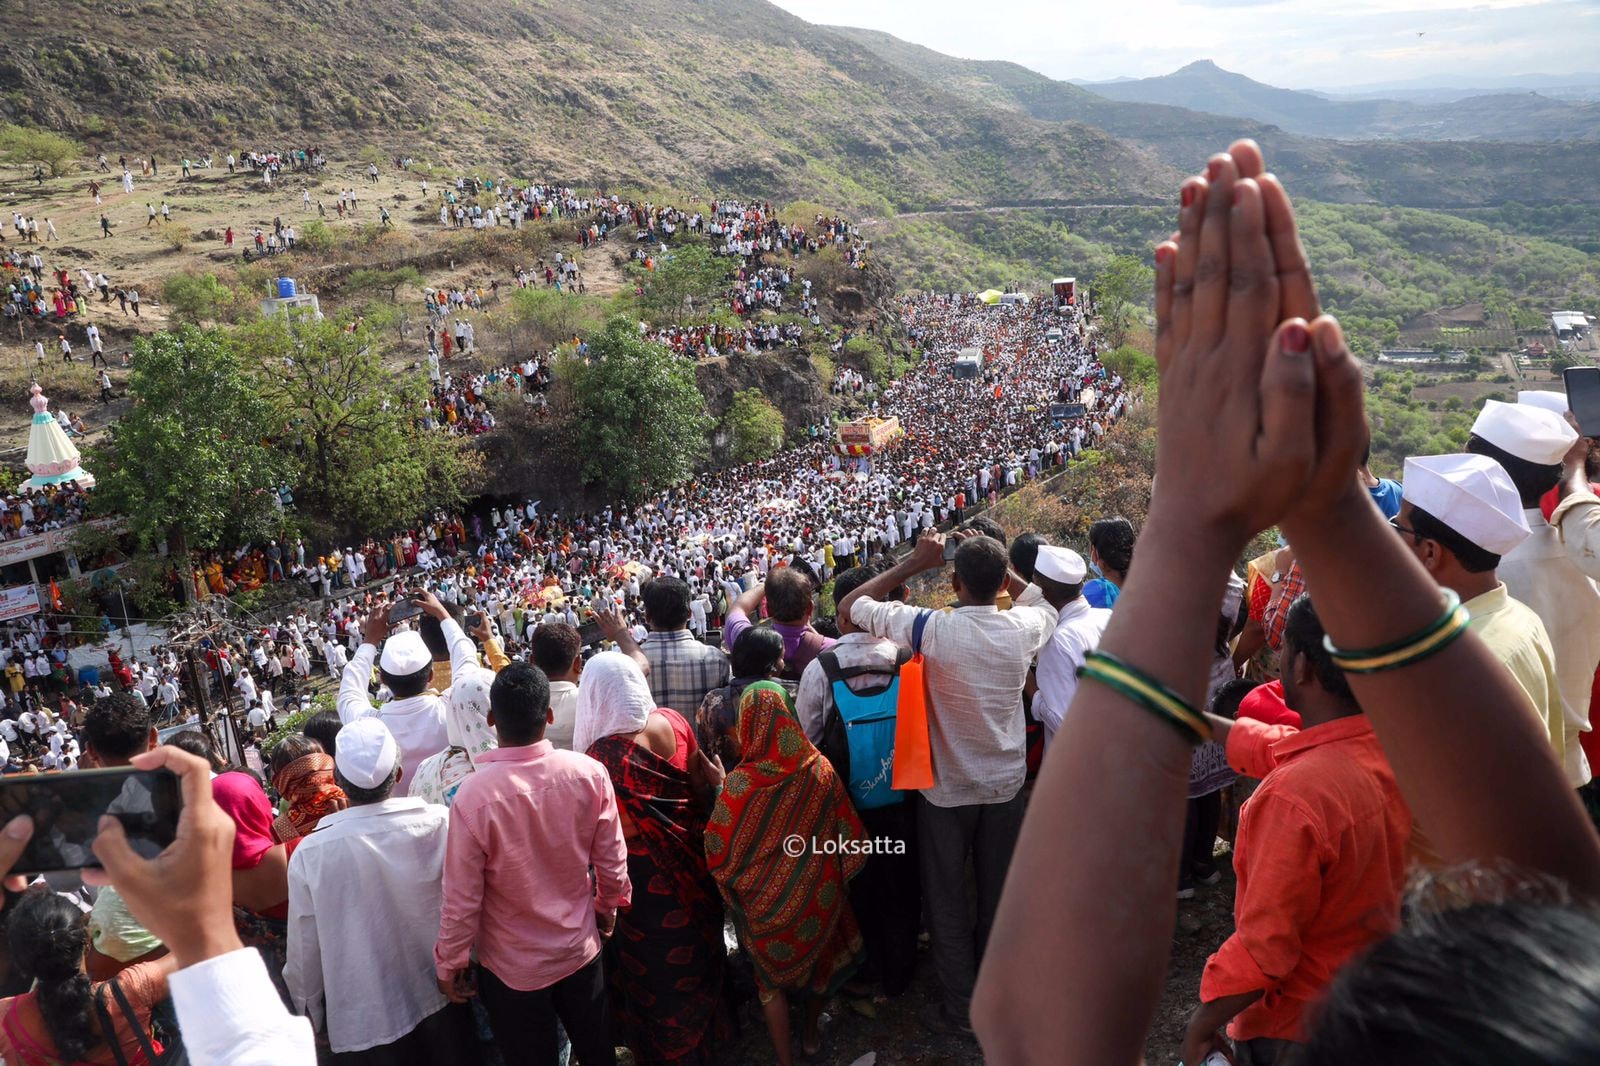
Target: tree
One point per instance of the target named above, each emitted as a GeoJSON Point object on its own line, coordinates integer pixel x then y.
{"type": "Point", "coordinates": [22, 145]}
{"type": "Point", "coordinates": [373, 279]}
{"type": "Point", "coordinates": [363, 460]}
{"type": "Point", "coordinates": [555, 317]}
{"type": "Point", "coordinates": [1122, 289]}
{"type": "Point", "coordinates": [685, 281]}
{"type": "Point", "coordinates": [755, 426]}
{"type": "Point", "coordinates": [641, 421]}
{"type": "Point", "coordinates": [197, 298]}
{"type": "Point", "coordinates": [190, 463]}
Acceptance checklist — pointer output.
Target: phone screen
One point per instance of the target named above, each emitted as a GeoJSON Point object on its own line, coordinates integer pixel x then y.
{"type": "Point", "coordinates": [404, 609]}
{"type": "Point", "coordinates": [66, 810]}
{"type": "Point", "coordinates": [950, 546]}
{"type": "Point", "coordinates": [1583, 397]}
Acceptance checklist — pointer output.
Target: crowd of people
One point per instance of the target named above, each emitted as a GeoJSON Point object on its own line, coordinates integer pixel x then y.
{"type": "Point", "coordinates": [552, 829]}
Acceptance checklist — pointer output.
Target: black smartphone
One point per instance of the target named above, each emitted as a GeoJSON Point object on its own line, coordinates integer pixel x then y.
{"type": "Point", "coordinates": [1583, 397]}
{"type": "Point", "coordinates": [474, 621]}
{"type": "Point", "coordinates": [66, 810]}
{"type": "Point", "coordinates": [950, 546]}
{"type": "Point", "coordinates": [404, 608]}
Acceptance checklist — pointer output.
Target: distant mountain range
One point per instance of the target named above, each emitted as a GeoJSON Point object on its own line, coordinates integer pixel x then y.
{"type": "Point", "coordinates": [1505, 115]}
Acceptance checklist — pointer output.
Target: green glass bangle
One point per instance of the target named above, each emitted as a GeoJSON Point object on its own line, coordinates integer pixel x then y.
{"type": "Point", "coordinates": [1451, 602]}
{"type": "Point", "coordinates": [1463, 621]}
{"type": "Point", "coordinates": [1144, 678]}
{"type": "Point", "coordinates": [1186, 729]}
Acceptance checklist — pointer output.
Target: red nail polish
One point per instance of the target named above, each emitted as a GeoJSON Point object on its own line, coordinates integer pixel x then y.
{"type": "Point", "coordinates": [1214, 169]}
{"type": "Point", "coordinates": [1163, 253]}
{"type": "Point", "coordinates": [1187, 196]}
{"type": "Point", "coordinates": [1296, 339]}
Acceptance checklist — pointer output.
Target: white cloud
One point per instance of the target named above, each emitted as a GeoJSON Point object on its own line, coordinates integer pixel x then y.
{"type": "Point", "coordinates": [1293, 43]}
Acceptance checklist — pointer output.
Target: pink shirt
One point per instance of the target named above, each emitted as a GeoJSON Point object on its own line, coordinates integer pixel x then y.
{"type": "Point", "coordinates": [524, 830]}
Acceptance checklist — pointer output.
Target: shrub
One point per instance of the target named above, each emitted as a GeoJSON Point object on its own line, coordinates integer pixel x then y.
{"type": "Point", "coordinates": [754, 425]}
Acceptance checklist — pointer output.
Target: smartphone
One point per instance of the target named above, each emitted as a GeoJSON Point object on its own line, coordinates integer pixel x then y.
{"type": "Point", "coordinates": [1583, 397]}
{"type": "Point", "coordinates": [474, 621]}
{"type": "Point", "coordinates": [950, 546]}
{"type": "Point", "coordinates": [66, 810]}
{"type": "Point", "coordinates": [402, 609]}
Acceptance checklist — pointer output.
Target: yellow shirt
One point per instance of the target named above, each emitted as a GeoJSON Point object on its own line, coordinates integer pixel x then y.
{"type": "Point", "coordinates": [1518, 639]}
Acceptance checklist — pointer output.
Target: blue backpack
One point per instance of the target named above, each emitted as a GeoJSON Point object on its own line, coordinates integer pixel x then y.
{"type": "Point", "coordinates": [858, 732]}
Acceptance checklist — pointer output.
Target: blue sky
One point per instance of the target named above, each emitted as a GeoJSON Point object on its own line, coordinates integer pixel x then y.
{"type": "Point", "coordinates": [1299, 44]}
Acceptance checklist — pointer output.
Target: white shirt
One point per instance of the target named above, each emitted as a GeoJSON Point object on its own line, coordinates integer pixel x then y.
{"type": "Point", "coordinates": [232, 1016]}
{"type": "Point", "coordinates": [976, 662]}
{"type": "Point", "coordinates": [417, 722]}
{"type": "Point", "coordinates": [564, 704]}
{"type": "Point", "coordinates": [364, 901]}
{"type": "Point", "coordinates": [1552, 576]}
{"type": "Point", "coordinates": [1077, 632]}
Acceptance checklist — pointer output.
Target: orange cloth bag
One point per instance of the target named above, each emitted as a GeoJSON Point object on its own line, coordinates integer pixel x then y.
{"type": "Point", "coordinates": [913, 758]}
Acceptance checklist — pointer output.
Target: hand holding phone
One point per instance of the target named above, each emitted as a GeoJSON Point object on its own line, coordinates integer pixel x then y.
{"type": "Point", "coordinates": [407, 607]}
{"type": "Point", "coordinates": [1583, 397]}
{"type": "Point", "coordinates": [67, 811]}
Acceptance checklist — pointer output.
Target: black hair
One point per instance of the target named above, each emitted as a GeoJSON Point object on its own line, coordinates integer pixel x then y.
{"type": "Point", "coordinates": [981, 564]}
{"type": "Point", "coordinates": [197, 744]}
{"type": "Point", "coordinates": [292, 747]}
{"type": "Point", "coordinates": [323, 727]}
{"type": "Point", "coordinates": [788, 594]}
{"type": "Point", "coordinates": [1480, 985]}
{"type": "Point", "coordinates": [1024, 553]}
{"type": "Point", "coordinates": [1302, 635]}
{"type": "Point", "coordinates": [846, 583]}
{"type": "Point", "coordinates": [404, 686]}
{"type": "Point", "coordinates": [757, 652]}
{"type": "Point", "coordinates": [1227, 698]}
{"type": "Point", "coordinates": [1473, 558]}
{"type": "Point", "coordinates": [1532, 480]}
{"type": "Point", "coordinates": [520, 701]}
{"type": "Point", "coordinates": [989, 528]}
{"type": "Point", "coordinates": [46, 936]}
{"type": "Point", "coordinates": [1112, 539]}
{"type": "Point", "coordinates": [666, 603]}
{"type": "Point", "coordinates": [360, 797]}
{"type": "Point", "coordinates": [554, 646]}
{"type": "Point", "coordinates": [117, 727]}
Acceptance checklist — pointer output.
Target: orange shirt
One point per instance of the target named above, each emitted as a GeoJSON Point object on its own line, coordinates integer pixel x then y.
{"type": "Point", "coordinates": [1320, 858]}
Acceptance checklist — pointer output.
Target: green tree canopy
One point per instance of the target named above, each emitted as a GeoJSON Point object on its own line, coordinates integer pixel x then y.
{"type": "Point", "coordinates": [755, 426]}
{"type": "Point", "coordinates": [686, 281]}
{"type": "Point", "coordinates": [21, 145]}
{"type": "Point", "coordinates": [364, 462]}
{"type": "Point", "coordinates": [640, 421]}
{"type": "Point", "coordinates": [197, 298]}
{"type": "Point", "coordinates": [371, 280]}
{"type": "Point", "coordinates": [1122, 289]}
{"type": "Point", "coordinates": [190, 463]}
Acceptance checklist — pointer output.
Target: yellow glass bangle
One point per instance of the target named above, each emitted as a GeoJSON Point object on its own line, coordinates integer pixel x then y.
{"type": "Point", "coordinates": [1429, 645]}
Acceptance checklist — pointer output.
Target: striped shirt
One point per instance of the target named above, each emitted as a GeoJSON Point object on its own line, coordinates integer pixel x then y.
{"type": "Point", "coordinates": [683, 670]}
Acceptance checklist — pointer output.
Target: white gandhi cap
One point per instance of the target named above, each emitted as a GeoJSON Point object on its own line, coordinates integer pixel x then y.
{"type": "Point", "coordinates": [1472, 494]}
{"type": "Point", "coordinates": [367, 753]}
{"type": "Point", "coordinates": [405, 653]}
{"type": "Point", "coordinates": [1550, 401]}
{"type": "Point", "coordinates": [1531, 433]}
{"type": "Point", "coordinates": [1060, 564]}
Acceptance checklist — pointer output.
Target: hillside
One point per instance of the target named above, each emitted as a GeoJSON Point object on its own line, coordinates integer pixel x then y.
{"type": "Point", "coordinates": [718, 96]}
{"type": "Point", "coordinates": [1430, 174]}
{"type": "Point", "coordinates": [1503, 116]}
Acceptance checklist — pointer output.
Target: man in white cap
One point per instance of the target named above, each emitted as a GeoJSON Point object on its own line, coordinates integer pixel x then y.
{"type": "Point", "coordinates": [1460, 515]}
{"type": "Point", "coordinates": [416, 718]}
{"type": "Point", "coordinates": [1060, 573]}
{"type": "Point", "coordinates": [365, 893]}
{"type": "Point", "coordinates": [1552, 571]}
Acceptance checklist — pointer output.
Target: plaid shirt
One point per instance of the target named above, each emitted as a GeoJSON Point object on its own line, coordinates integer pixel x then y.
{"type": "Point", "coordinates": [1277, 613]}
{"type": "Point", "coordinates": [683, 670]}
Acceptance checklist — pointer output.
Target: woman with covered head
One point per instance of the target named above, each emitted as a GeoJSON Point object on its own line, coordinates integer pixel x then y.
{"type": "Point", "coordinates": [466, 723]}
{"type": "Point", "coordinates": [302, 773]}
{"type": "Point", "coordinates": [779, 845]}
{"type": "Point", "coordinates": [665, 961]}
